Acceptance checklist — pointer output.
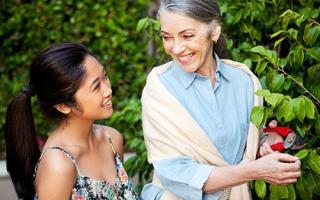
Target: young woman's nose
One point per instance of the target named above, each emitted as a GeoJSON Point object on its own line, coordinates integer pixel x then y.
{"type": "Point", "coordinates": [178, 47]}
{"type": "Point", "coordinates": [107, 91]}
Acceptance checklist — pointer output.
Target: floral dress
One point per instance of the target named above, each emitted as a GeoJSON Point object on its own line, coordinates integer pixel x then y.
{"type": "Point", "coordinates": [86, 188]}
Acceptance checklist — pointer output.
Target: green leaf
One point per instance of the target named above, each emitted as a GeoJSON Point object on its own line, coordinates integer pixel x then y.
{"type": "Point", "coordinates": [299, 108]}
{"type": "Point", "coordinates": [277, 82]}
{"type": "Point", "coordinates": [271, 56]}
{"type": "Point", "coordinates": [263, 93]}
{"type": "Point", "coordinates": [237, 17]}
{"type": "Point", "coordinates": [292, 192]}
{"type": "Point", "coordinates": [277, 33]}
{"type": "Point", "coordinates": [260, 188]}
{"type": "Point", "coordinates": [306, 32]}
{"type": "Point", "coordinates": [229, 43]}
{"type": "Point", "coordinates": [131, 161]}
{"type": "Point", "coordinates": [314, 161]}
{"type": "Point", "coordinates": [310, 180]}
{"type": "Point", "coordinates": [142, 24]}
{"type": "Point", "coordinates": [314, 53]}
{"type": "Point", "coordinates": [310, 108]}
{"type": "Point", "coordinates": [248, 62]}
{"type": "Point", "coordinates": [303, 189]}
{"type": "Point", "coordinates": [281, 192]}
{"type": "Point", "coordinates": [298, 55]}
{"type": "Point", "coordinates": [143, 159]}
{"type": "Point", "coordinates": [257, 115]}
{"type": "Point", "coordinates": [274, 196]}
{"type": "Point", "coordinates": [261, 68]}
{"type": "Point", "coordinates": [287, 84]}
{"type": "Point", "coordinates": [279, 42]}
{"type": "Point", "coordinates": [260, 50]}
{"type": "Point", "coordinates": [312, 35]}
{"type": "Point", "coordinates": [302, 153]}
{"type": "Point", "coordinates": [314, 72]}
{"type": "Point", "coordinates": [274, 99]}
{"type": "Point", "coordinates": [286, 111]}
{"type": "Point", "coordinates": [282, 62]}
{"type": "Point", "coordinates": [287, 16]}
{"type": "Point", "coordinates": [293, 33]}
{"type": "Point", "coordinates": [299, 130]}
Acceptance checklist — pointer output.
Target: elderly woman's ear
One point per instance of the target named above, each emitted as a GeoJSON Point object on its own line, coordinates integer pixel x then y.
{"type": "Point", "coordinates": [215, 32]}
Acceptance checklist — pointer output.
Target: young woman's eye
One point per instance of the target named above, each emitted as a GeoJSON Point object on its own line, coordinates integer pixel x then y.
{"type": "Point", "coordinates": [97, 87]}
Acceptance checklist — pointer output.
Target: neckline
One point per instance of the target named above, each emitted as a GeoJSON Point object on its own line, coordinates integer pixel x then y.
{"type": "Point", "coordinates": [116, 180]}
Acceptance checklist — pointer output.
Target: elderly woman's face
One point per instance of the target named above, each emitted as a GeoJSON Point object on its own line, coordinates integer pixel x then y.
{"type": "Point", "coordinates": [187, 41]}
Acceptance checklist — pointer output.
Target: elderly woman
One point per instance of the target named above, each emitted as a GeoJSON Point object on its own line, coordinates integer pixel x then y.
{"type": "Point", "coordinates": [196, 114]}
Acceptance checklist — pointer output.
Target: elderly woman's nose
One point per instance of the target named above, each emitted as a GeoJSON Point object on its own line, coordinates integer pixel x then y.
{"type": "Point", "coordinates": [178, 47]}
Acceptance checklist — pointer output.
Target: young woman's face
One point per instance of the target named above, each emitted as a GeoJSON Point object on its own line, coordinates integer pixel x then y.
{"type": "Point", "coordinates": [95, 93]}
{"type": "Point", "coordinates": [187, 41]}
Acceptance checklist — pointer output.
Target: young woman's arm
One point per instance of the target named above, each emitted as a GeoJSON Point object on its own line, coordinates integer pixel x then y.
{"type": "Point", "coordinates": [276, 168]}
{"type": "Point", "coordinates": [56, 176]}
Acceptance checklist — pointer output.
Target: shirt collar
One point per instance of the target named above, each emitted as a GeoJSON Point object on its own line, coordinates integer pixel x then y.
{"type": "Point", "coordinates": [221, 68]}
{"type": "Point", "coordinates": [187, 78]}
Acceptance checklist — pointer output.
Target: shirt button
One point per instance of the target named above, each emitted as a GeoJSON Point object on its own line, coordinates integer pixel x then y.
{"type": "Point", "coordinates": [221, 145]}
{"type": "Point", "coordinates": [220, 125]}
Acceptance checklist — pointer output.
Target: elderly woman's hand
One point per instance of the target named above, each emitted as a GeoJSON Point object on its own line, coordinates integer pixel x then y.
{"type": "Point", "coordinates": [277, 168]}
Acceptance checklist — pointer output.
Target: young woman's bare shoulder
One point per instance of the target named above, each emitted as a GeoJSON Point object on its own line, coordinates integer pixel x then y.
{"type": "Point", "coordinates": [115, 135]}
{"type": "Point", "coordinates": [56, 175]}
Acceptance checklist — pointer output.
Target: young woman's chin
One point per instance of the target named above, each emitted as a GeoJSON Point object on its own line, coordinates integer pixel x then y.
{"type": "Point", "coordinates": [109, 114]}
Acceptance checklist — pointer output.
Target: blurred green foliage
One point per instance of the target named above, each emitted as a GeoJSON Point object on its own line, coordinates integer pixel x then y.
{"type": "Point", "coordinates": [280, 41]}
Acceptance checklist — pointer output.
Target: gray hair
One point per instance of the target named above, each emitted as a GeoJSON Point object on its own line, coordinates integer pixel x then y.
{"type": "Point", "coordinates": [201, 10]}
{"type": "Point", "coordinates": [206, 11]}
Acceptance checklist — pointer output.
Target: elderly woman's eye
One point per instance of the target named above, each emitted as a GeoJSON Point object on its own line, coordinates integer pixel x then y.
{"type": "Point", "coordinates": [165, 37]}
{"type": "Point", "coordinates": [188, 36]}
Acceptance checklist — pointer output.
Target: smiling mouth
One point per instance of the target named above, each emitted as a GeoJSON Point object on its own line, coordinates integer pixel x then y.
{"type": "Point", "coordinates": [107, 104]}
{"type": "Point", "coordinates": [185, 59]}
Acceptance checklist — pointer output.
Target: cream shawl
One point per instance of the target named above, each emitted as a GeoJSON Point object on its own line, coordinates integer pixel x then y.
{"type": "Point", "coordinates": [170, 131]}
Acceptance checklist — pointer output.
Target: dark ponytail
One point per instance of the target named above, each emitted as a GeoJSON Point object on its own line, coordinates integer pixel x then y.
{"type": "Point", "coordinates": [220, 47]}
{"type": "Point", "coordinates": [22, 150]}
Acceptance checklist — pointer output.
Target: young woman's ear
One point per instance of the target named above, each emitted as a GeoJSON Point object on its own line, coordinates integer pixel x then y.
{"type": "Point", "coordinates": [216, 31]}
{"type": "Point", "coordinates": [63, 108]}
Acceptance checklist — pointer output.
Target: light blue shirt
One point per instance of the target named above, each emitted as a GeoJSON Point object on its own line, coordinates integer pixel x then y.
{"type": "Point", "coordinates": [222, 111]}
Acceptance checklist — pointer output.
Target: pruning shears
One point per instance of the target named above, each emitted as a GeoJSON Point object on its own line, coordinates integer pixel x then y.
{"type": "Point", "coordinates": [292, 140]}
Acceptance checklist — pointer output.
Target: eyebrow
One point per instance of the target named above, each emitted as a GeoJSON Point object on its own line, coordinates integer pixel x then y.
{"type": "Point", "coordinates": [97, 79]}
{"type": "Point", "coordinates": [188, 29]}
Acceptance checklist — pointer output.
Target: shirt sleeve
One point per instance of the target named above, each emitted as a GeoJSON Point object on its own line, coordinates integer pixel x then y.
{"type": "Point", "coordinates": [151, 192]}
{"type": "Point", "coordinates": [183, 176]}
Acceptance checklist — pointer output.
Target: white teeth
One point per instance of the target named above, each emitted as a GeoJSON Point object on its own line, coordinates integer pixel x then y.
{"type": "Point", "coordinates": [186, 58]}
{"type": "Point", "coordinates": [107, 103]}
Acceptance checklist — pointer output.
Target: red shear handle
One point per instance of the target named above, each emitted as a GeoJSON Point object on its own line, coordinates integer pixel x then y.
{"type": "Point", "coordinates": [279, 146]}
{"type": "Point", "coordinates": [284, 131]}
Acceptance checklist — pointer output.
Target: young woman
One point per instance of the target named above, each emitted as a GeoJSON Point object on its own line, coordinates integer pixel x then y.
{"type": "Point", "coordinates": [80, 160]}
{"type": "Point", "coordinates": [196, 114]}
